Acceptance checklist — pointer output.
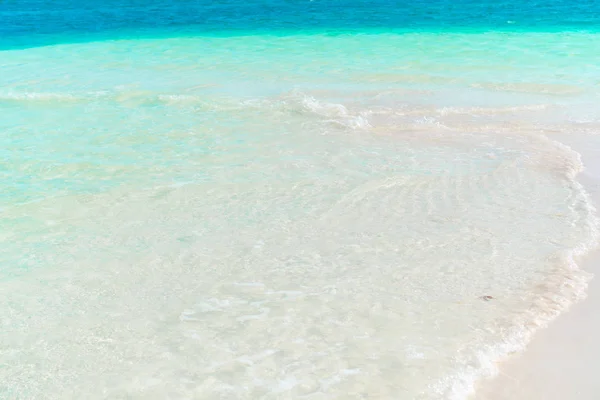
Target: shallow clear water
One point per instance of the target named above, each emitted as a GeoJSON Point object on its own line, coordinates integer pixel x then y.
{"type": "Point", "coordinates": [191, 212]}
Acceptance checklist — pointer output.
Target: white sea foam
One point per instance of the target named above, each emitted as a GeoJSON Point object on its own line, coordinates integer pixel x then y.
{"type": "Point", "coordinates": [35, 96]}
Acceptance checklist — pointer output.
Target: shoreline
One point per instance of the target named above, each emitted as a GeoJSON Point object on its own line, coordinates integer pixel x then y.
{"type": "Point", "coordinates": [560, 360]}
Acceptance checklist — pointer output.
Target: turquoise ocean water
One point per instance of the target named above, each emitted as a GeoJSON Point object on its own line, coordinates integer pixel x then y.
{"type": "Point", "coordinates": [287, 199]}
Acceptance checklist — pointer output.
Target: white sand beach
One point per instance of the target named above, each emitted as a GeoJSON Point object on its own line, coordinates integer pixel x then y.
{"type": "Point", "coordinates": [561, 362]}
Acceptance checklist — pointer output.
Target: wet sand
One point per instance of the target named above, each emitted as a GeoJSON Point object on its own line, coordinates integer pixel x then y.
{"type": "Point", "coordinates": [562, 361]}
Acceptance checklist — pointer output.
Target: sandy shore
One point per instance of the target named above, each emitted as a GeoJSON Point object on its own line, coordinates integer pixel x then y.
{"type": "Point", "coordinates": [562, 361]}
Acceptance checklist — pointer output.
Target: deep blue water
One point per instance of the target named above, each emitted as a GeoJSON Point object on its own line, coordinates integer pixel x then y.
{"type": "Point", "coordinates": [26, 23]}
